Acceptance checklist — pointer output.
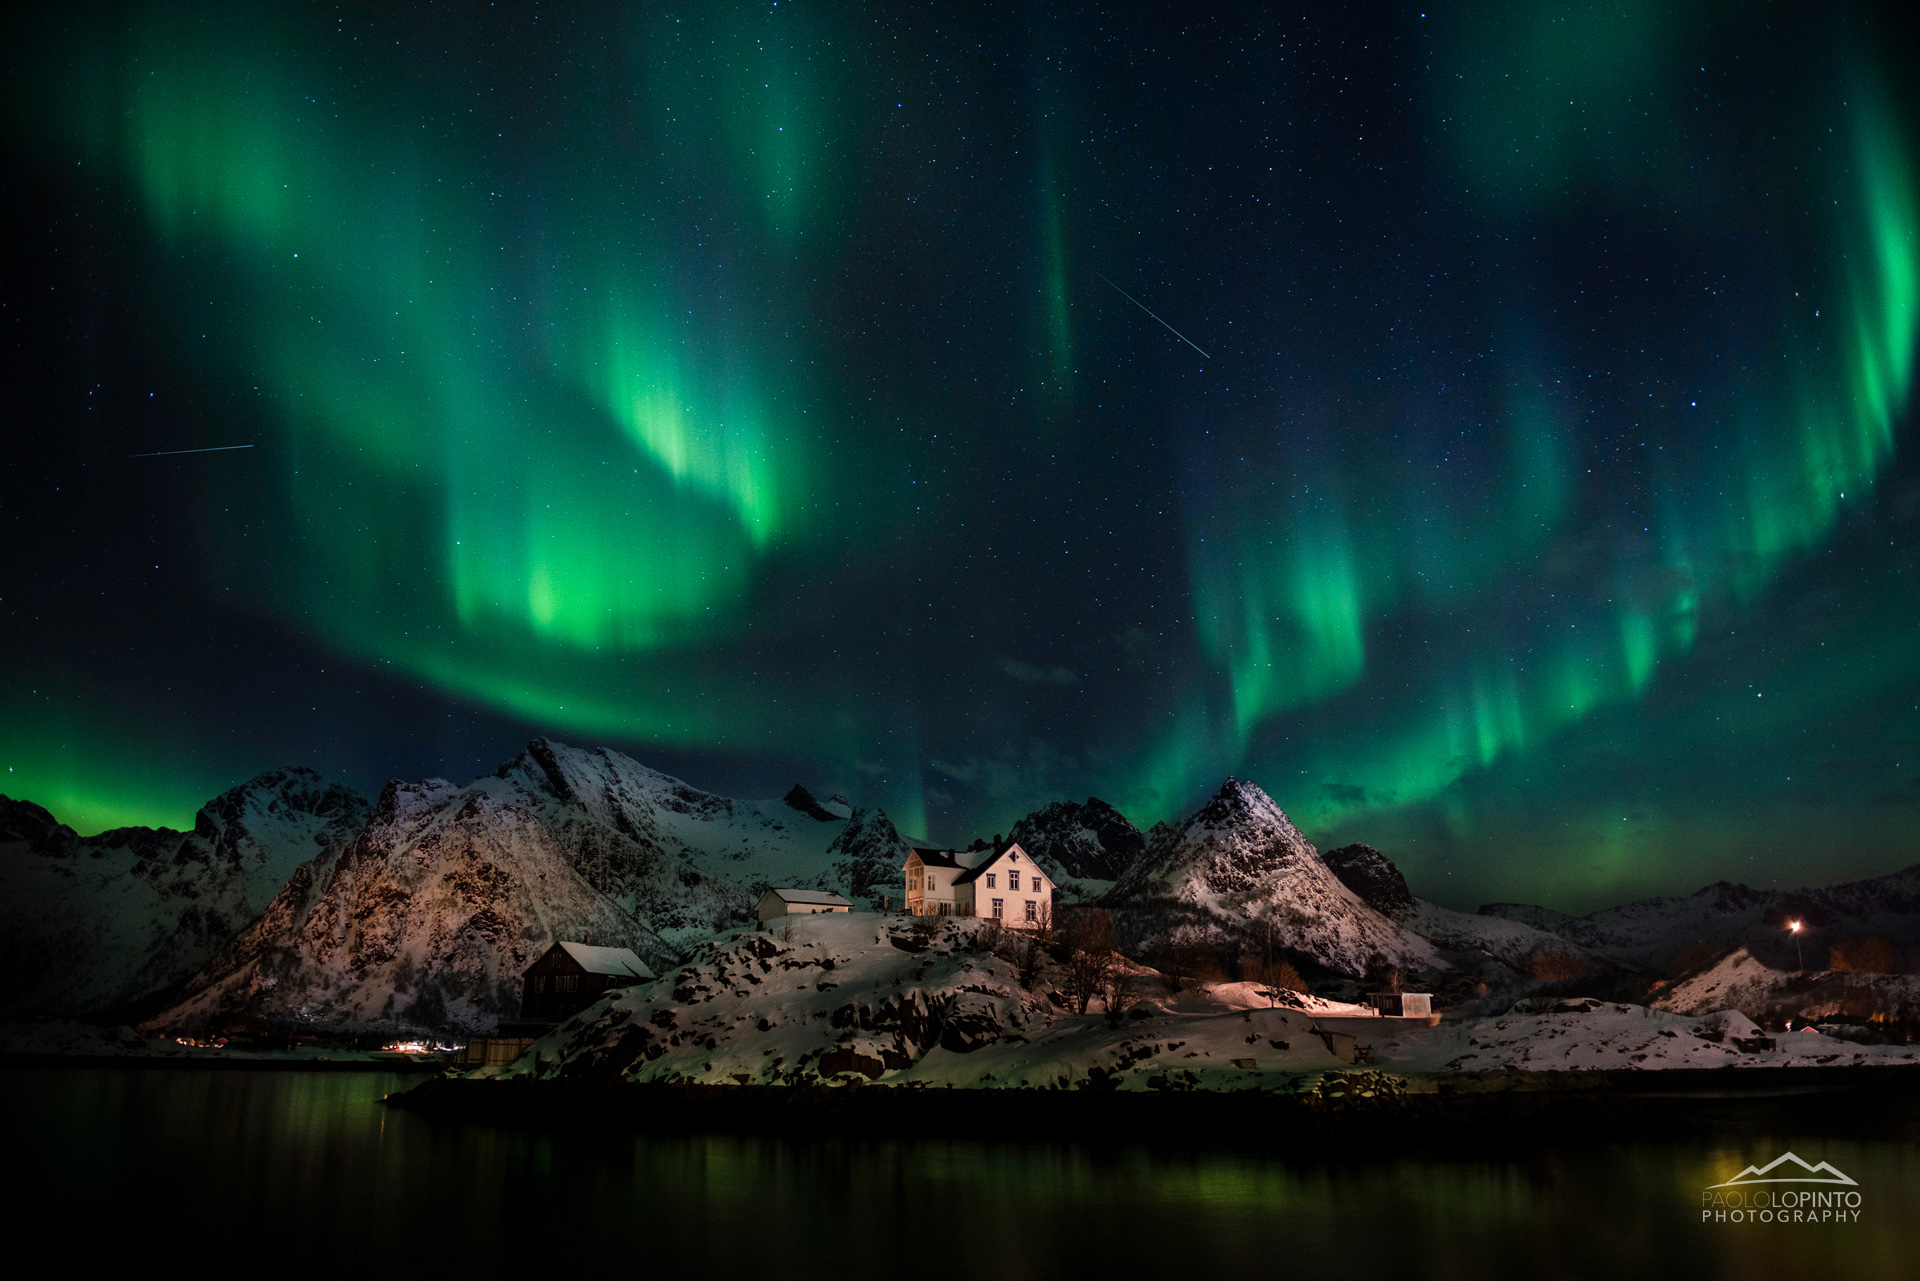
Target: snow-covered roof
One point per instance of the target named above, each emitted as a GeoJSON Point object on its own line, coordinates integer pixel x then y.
{"type": "Point", "coordinates": [619, 962]}
{"type": "Point", "coordinates": [973, 873]}
{"type": "Point", "coordinates": [818, 897]}
{"type": "Point", "coordinates": [939, 858]}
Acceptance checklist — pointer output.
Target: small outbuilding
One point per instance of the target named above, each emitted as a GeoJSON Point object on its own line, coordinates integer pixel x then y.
{"type": "Point", "coordinates": [777, 903]}
{"type": "Point", "coordinates": [1402, 1005]}
{"type": "Point", "coordinates": [571, 976]}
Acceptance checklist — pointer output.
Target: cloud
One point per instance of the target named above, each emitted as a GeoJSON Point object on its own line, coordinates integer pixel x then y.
{"type": "Point", "coordinates": [1028, 674]}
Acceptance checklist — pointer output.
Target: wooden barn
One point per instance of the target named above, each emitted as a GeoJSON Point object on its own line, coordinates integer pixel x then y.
{"type": "Point", "coordinates": [572, 976]}
{"type": "Point", "coordinates": [777, 903]}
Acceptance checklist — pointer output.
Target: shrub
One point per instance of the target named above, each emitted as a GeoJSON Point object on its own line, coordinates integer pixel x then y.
{"type": "Point", "coordinates": [1869, 954]}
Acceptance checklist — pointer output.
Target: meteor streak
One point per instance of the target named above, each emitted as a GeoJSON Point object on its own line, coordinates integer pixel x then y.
{"type": "Point", "coordinates": [1143, 307]}
{"type": "Point", "coordinates": [210, 449]}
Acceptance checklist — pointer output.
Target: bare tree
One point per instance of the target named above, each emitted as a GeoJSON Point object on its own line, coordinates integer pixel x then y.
{"type": "Point", "coordinates": [1382, 974]}
{"type": "Point", "coordinates": [1043, 926]}
{"type": "Point", "coordinates": [1091, 958]}
{"type": "Point", "coordinates": [1117, 997]}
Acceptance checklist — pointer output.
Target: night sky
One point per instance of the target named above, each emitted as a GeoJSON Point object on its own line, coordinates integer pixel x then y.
{"type": "Point", "coordinates": [752, 389]}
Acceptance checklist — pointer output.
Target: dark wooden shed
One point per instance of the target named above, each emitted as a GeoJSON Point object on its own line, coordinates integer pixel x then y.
{"type": "Point", "coordinates": [571, 976]}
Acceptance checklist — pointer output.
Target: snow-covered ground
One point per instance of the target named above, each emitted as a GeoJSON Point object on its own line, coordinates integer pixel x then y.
{"type": "Point", "coordinates": [839, 998]}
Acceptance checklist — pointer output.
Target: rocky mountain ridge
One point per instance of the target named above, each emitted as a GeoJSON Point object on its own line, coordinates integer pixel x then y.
{"type": "Point", "coordinates": [98, 925]}
{"type": "Point", "coordinates": [1653, 933]}
{"type": "Point", "coordinates": [431, 914]}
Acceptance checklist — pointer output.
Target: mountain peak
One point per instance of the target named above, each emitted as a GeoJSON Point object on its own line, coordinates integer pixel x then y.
{"type": "Point", "coordinates": [835, 810]}
{"type": "Point", "coordinates": [1093, 841]}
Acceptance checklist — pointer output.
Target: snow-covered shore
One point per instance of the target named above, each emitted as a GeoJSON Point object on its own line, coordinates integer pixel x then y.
{"type": "Point", "coordinates": [860, 998]}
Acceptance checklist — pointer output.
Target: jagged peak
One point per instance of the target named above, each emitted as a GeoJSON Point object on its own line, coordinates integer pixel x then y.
{"type": "Point", "coordinates": [298, 788]}
{"type": "Point", "coordinates": [807, 803]}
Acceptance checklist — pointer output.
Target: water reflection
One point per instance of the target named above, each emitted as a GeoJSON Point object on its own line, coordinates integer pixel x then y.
{"type": "Point", "coordinates": [307, 1169]}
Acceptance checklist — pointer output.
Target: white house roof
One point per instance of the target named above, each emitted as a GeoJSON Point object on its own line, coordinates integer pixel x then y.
{"type": "Point", "coordinates": [819, 898]}
{"type": "Point", "coordinates": [619, 962]}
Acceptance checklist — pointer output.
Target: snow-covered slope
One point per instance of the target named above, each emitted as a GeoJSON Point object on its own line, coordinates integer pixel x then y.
{"type": "Point", "coordinates": [869, 997]}
{"type": "Point", "coordinates": [1238, 871]}
{"type": "Point", "coordinates": [839, 999]}
{"type": "Point", "coordinates": [1532, 953]}
{"type": "Point", "coordinates": [1650, 933]}
{"type": "Point", "coordinates": [95, 925]}
{"type": "Point", "coordinates": [1740, 981]}
{"type": "Point", "coordinates": [433, 912]}
{"type": "Point", "coordinates": [1599, 1036]}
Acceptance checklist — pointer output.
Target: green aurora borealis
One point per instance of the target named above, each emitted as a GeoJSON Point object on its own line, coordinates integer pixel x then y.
{"type": "Point", "coordinates": [736, 386]}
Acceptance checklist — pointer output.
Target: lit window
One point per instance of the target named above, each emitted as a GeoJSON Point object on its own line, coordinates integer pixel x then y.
{"type": "Point", "coordinates": [999, 908]}
{"type": "Point", "coordinates": [989, 880]}
{"type": "Point", "coordinates": [1013, 880]}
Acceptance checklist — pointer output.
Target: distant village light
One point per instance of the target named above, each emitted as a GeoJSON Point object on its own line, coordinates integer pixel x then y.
{"type": "Point", "coordinates": [1793, 927]}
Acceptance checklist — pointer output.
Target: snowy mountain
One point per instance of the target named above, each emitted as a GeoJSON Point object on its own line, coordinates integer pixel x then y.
{"type": "Point", "coordinates": [98, 924]}
{"type": "Point", "coordinates": [1652, 933]}
{"type": "Point", "coordinates": [1238, 872]}
{"type": "Point", "coordinates": [1085, 848]}
{"type": "Point", "coordinates": [432, 913]}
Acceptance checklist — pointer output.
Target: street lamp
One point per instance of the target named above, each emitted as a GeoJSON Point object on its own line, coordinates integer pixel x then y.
{"type": "Point", "coordinates": [1793, 927]}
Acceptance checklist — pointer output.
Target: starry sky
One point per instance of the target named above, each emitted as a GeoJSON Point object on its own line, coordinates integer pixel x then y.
{"type": "Point", "coordinates": [1487, 429]}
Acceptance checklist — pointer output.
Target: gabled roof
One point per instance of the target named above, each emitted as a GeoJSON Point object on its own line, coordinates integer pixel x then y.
{"type": "Point", "coordinates": [618, 962]}
{"type": "Point", "coordinates": [939, 858]}
{"type": "Point", "coordinates": [819, 898]}
{"type": "Point", "coordinates": [973, 873]}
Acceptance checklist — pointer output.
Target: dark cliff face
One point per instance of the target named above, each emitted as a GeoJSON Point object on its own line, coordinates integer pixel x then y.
{"type": "Point", "coordinates": [807, 803]}
{"type": "Point", "coordinates": [34, 827]}
{"type": "Point", "coordinates": [119, 919]}
{"type": "Point", "coordinates": [867, 858]}
{"type": "Point", "coordinates": [1372, 875]}
{"type": "Point", "coordinates": [1092, 842]}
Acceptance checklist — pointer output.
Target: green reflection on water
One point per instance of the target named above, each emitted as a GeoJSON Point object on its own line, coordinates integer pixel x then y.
{"type": "Point", "coordinates": [245, 1160]}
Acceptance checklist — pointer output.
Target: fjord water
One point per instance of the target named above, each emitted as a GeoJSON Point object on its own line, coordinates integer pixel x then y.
{"type": "Point", "coordinates": [307, 1170]}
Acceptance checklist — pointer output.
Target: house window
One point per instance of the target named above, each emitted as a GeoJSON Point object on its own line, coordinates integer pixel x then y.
{"type": "Point", "coordinates": [540, 983]}
{"type": "Point", "coordinates": [989, 880]}
{"type": "Point", "coordinates": [1032, 916]}
{"type": "Point", "coordinates": [1013, 880]}
{"type": "Point", "coordinates": [999, 908]}
{"type": "Point", "coordinates": [1014, 857]}
{"type": "Point", "coordinates": [566, 982]}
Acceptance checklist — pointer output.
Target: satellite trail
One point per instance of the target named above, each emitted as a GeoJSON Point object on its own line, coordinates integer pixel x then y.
{"type": "Point", "coordinates": [214, 449]}
{"type": "Point", "coordinates": [1143, 307]}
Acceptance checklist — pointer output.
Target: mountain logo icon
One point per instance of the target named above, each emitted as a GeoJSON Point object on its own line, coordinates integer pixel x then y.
{"type": "Point", "coordinates": [1797, 1171]}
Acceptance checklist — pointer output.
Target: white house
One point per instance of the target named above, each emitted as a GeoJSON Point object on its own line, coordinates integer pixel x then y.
{"type": "Point", "coordinates": [777, 903]}
{"type": "Point", "coordinates": [1004, 885]}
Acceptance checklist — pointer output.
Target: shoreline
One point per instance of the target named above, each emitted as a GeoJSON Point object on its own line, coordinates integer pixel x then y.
{"type": "Point", "coordinates": [211, 1063]}
{"type": "Point", "coordinates": [1456, 1108]}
